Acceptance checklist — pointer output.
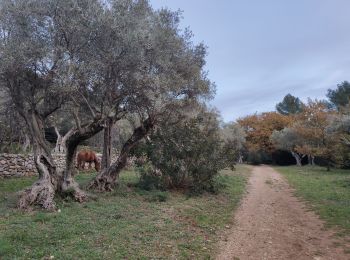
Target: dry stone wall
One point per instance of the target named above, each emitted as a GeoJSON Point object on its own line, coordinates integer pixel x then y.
{"type": "Point", "coordinates": [19, 165]}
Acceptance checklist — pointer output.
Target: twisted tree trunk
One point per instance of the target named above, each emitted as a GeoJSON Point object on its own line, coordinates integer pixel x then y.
{"type": "Point", "coordinates": [61, 142]}
{"type": "Point", "coordinates": [76, 136]}
{"type": "Point", "coordinates": [106, 180]}
{"type": "Point", "coordinates": [69, 186]}
{"type": "Point", "coordinates": [311, 160]}
{"type": "Point", "coordinates": [51, 181]}
{"type": "Point", "coordinates": [42, 192]}
{"type": "Point", "coordinates": [240, 158]}
{"type": "Point", "coordinates": [297, 158]}
{"type": "Point", "coordinates": [107, 145]}
{"type": "Point", "coordinates": [26, 145]}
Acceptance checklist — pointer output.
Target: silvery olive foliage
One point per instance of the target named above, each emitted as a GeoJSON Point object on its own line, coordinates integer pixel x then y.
{"type": "Point", "coordinates": [233, 136]}
{"type": "Point", "coordinates": [187, 155]}
{"type": "Point", "coordinates": [95, 62]}
{"type": "Point", "coordinates": [288, 140]}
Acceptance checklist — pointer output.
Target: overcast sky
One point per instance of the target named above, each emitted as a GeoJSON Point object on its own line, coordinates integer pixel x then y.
{"type": "Point", "coordinates": [260, 50]}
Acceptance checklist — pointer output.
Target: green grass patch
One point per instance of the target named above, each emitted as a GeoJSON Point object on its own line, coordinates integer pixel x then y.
{"type": "Point", "coordinates": [327, 192]}
{"type": "Point", "coordinates": [128, 223]}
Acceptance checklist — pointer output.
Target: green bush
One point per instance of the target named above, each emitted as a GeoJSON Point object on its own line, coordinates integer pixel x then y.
{"type": "Point", "coordinates": [187, 155]}
{"type": "Point", "coordinates": [148, 178]}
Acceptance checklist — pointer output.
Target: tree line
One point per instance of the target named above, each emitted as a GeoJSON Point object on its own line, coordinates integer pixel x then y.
{"type": "Point", "coordinates": [315, 131]}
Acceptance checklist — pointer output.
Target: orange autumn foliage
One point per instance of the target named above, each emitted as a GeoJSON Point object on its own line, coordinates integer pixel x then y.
{"type": "Point", "coordinates": [259, 128]}
{"type": "Point", "coordinates": [313, 126]}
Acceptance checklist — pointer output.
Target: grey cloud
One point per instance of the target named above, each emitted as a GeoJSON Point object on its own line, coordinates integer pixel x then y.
{"type": "Point", "coordinates": [261, 50]}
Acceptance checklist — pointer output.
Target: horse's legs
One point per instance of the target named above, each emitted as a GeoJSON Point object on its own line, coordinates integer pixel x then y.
{"type": "Point", "coordinates": [79, 164]}
{"type": "Point", "coordinates": [82, 165]}
{"type": "Point", "coordinates": [90, 167]}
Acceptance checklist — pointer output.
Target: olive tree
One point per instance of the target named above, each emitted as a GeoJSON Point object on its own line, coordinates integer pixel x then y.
{"type": "Point", "coordinates": [100, 61]}
{"type": "Point", "coordinates": [63, 54]}
{"type": "Point", "coordinates": [233, 136]}
{"type": "Point", "coordinates": [288, 139]}
{"type": "Point", "coordinates": [169, 79]}
{"type": "Point", "coordinates": [184, 152]}
{"type": "Point", "coordinates": [28, 62]}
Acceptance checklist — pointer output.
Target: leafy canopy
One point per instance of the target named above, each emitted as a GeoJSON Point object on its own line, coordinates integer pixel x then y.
{"type": "Point", "coordinates": [289, 105]}
{"type": "Point", "coordinates": [260, 127]}
{"type": "Point", "coordinates": [340, 96]}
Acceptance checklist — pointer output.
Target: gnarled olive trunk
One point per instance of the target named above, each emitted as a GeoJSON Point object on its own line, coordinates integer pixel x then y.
{"type": "Point", "coordinates": [106, 180]}
{"type": "Point", "coordinates": [240, 158]}
{"type": "Point", "coordinates": [311, 160]}
{"type": "Point", "coordinates": [69, 185]}
{"type": "Point", "coordinates": [107, 145]}
{"type": "Point", "coordinates": [297, 158]}
{"type": "Point", "coordinates": [42, 192]}
{"type": "Point", "coordinates": [61, 142]}
{"type": "Point", "coordinates": [50, 180]}
{"type": "Point", "coordinates": [26, 144]}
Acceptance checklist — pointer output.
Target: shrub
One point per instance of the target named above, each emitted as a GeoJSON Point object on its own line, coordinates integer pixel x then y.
{"type": "Point", "coordinates": [149, 180]}
{"type": "Point", "coordinates": [187, 155]}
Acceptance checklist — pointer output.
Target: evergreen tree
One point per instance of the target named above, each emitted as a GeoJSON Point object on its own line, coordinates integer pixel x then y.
{"type": "Point", "coordinates": [289, 105]}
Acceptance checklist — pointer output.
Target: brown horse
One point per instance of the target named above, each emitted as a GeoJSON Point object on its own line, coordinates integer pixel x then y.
{"type": "Point", "coordinates": [87, 156]}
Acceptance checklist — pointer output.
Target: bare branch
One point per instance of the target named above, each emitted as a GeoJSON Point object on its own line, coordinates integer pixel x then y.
{"type": "Point", "coordinates": [77, 119]}
{"type": "Point", "coordinates": [51, 110]}
{"type": "Point", "coordinates": [88, 104]}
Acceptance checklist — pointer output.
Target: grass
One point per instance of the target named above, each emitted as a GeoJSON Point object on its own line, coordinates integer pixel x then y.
{"type": "Point", "coordinates": [327, 192]}
{"type": "Point", "coordinates": [126, 224]}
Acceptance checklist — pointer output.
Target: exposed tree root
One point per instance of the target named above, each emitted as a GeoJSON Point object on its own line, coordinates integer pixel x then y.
{"type": "Point", "coordinates": [41, 193]}
{"type": "Point", "coordinates": [102, 183]}
{"type": "Point", "coordinates": [71, 188]}
{"type": "Point", "coordinates": [107, 179]}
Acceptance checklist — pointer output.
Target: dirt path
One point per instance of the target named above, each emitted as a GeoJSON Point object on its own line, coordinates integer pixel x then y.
{"type": "Point", "coordinates": [271, 223]}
